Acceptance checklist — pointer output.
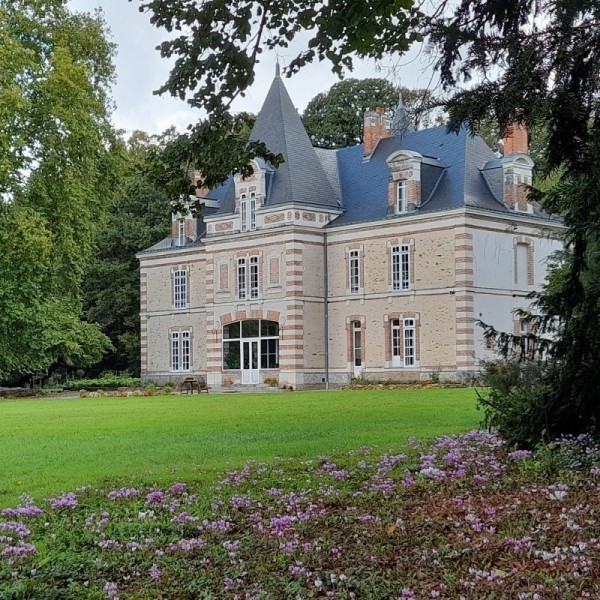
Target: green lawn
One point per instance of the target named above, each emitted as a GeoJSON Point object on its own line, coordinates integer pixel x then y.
{"type": "Point", "coordinates": [53, 445]}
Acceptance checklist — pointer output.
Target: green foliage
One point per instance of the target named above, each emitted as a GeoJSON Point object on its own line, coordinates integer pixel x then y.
{"type": "Point", "coordinates": [105, 381]}
{"type": "Point", "coordinates": [540, 65]}
{"type": "Point", "coordinates": [218, 45]}
{"type": "Point", "coordinates": [37, 329]}
{"type": "Point", "coordinates": [57, 162]}
{"type": "Point", "coordinates": [514, 403]}
{"type": "Point", "coordinates": [334, 119]}
{"type": "Point", "coordinates": [139, 216]}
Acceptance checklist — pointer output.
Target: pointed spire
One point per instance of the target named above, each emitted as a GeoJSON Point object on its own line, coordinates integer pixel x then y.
{"type": "Point", "coordinates": [401, 122]}
{"type": "Point", "coordinates": [277, 69]}
{"type": "Point", "coordinates": [301, 178]}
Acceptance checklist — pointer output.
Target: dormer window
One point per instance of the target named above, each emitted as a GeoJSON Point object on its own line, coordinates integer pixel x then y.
{"type": "Point", "coordinates": [248, 211]}
{"type": "Point", "coordinates": [181, 232]}
{"type": "Point", "coordinates": [404, 187]}
{"type": "Point", "coordinates": [401, 196]}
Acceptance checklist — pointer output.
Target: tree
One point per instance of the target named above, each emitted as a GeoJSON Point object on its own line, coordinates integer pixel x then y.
{"type": "Point", "coordinates": [57, 167]}
{"type": "Point", "coordinates": [334, 119]}
{"type": "Point", "coordinates": [139, 216]}
{"type": "Point", "coordinates": [540, 65]}
{"type": "Point", "coordinates": [218, 45]}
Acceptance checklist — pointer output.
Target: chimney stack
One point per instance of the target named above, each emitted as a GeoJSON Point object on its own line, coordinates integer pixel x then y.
{"type": "Point", "coordinates": [377, 126]}
{"type": "Point", "coordinates": [515, 139]}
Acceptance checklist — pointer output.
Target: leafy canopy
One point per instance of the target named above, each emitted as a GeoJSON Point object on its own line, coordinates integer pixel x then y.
{"type": "Point", "coordinates": [334, 119]}
{"type": "Point", "coordinates": [57, 168]}
{"type": "Point", "coordinates": [218, 45]}
{"type": "Point", "coordinates": [138, 217]}
{"type": "Point", "coordinates": [539, 63]}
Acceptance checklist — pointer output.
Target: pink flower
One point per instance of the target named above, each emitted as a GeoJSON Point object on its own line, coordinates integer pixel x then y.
{"type": "Point", "coordinates": [155, 572]}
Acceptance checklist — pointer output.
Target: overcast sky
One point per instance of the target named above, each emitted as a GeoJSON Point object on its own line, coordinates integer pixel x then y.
{"type": "Point", "coordinates": [141, 70]}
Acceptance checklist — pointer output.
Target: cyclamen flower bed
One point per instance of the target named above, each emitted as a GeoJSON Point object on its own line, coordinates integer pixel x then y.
{"type": "Point", "coordinates": [463, 518]}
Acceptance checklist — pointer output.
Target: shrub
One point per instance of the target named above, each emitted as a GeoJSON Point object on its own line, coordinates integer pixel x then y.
{"type": "Point", "coordinates": [515, 403]}
{"type": "Point", "coordinates": [105, 381]}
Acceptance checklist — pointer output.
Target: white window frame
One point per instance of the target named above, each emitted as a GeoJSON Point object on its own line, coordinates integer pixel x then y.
{"type": "Point", "coordinates": [242, 277]}
{"type": "Point", "coordinates": [181, 232]}
{"type": "Point", "coordinates": [357, 350]}
{"type": "Point", "coordinates": [248, 212]}
{"type": "Point", "coordinates": [409, 334]}
{"type": "Point", "coordinates": [254, 280]}
{"type": "Point", "coordinates": [401, 196]}
{"type": "Point", "coordinates": [181, 351]}
{"type": "Point", "coordinates": [252, 215]}
{"type": "Point", "coordinates": [354, 271]}
{"type": "Point", "coordinates": [243, 212]}
{"type": "Point", "coordinates": [395, 339]}
{"type": "Point", "coordinates": [248, 277]}
{"type": "Point", "coordinates": [180, 289]}
{"type": "Point", "coordinates": [400, 268]}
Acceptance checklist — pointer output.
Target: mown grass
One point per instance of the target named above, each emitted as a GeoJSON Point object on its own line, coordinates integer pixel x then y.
{"type": "Point", "coordinates": [51, 445]}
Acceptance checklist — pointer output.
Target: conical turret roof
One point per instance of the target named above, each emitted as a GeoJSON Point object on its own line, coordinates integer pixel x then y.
{"type": "Point", "coordinates": [301, 178]}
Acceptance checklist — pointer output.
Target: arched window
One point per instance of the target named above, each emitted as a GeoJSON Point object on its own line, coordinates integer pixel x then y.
{"type": "Point", "coordinates": [251, 344]}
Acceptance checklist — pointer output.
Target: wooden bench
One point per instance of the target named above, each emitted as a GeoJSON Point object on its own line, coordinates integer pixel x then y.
{"type": "Point", "coordinates": [192, 383]}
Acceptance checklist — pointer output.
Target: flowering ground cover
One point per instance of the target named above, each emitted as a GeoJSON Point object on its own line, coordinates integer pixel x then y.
{"type": "Point", "coordinates": [50, 445]}
{"type": "Point", "coordinates": [464, 517]}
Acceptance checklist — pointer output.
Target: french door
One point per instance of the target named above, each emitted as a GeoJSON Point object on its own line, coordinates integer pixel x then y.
{"type": "Point", "coordinates": [250, 361]}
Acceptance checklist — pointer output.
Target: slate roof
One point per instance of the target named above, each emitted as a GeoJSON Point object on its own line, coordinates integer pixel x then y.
{"type": "Point", "coordinates": [301, 178]}
{"type": "Point", "coordinates": [450, 174]}
{"type": "Point", "coordinates": [457, 169]}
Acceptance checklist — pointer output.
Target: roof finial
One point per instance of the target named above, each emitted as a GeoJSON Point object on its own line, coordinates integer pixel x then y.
{"type": "Point", "coordinates": [277, 70]}
{"type": "Point", "coordinates": [401, 123]}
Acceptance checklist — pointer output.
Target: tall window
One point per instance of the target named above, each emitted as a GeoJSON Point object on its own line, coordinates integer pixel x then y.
{"type": "Point", "coordinates": [242, 278]}
{"type": "Point", "coordinates": [401, 196]}
{"type": "Point", "coordinates": [248, 212]}
{"type": "Point", "coordinates": [396, 343]}
{"type": "Point", "coordinates": [248, 278]}
{"type": "Point", "coordinates": [238, 336]}
{"type": "Point", "coordinates": [522, 265]}
{"type": "Point", "coordinates": [400, 268]}
{"type": "Point", "coordinates": [181, 350]}
{"type": "Point", "coordinates": [244, 212]}
{"type": "Point", "coordinates": [181, 232]}
{"type": "Point", "coordinates": [252, 211]}
{"type": "Point", "coordinates": [409, 343]}
{"type": "Point", "coordinates": [180, 289]}
{"type": "Point", "coordinates": [356, 343]}
{"type": "Point", "coordinates": [527, 342]}
{"type": "Point", "coordinates": [354, 266]}
{"type": "Point", "coordinates": [254, 277]}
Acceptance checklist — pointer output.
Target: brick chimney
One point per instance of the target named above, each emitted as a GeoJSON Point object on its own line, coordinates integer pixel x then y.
{"type": "Point", "coordinates": [377, 125]}
{"type": "Point", "coordinates": [515, 139]}
{"type": "Point", "coordinates": [195, 176]}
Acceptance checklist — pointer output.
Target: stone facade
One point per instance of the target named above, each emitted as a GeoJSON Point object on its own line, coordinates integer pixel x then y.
{"type": "Point", "coordinates": [309, 288]}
